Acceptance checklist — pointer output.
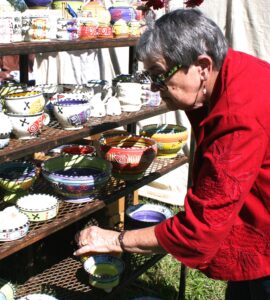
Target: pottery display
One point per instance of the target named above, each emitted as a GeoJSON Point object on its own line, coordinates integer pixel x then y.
{"type": "Point", "coordinates": [129, 94]}
{"type": "Point", "coordinates": [130, 155]}
{"type": "Point", "coordinates": [27, 127]}
{"type": "Point", "coordinates": [120, 28]}
{"type": "Point", "coordinates": [97, 106]}
{"type": "Point", "coordinates": [67, 29]}
{"type": "Point", "coordinates": [122, 11]}
{"type": "Point", "coordinates": [170, 138]}
{"type": "Point", "coordinates": [13, 224]}
{"type": "Point", "coordinates": [96, 10]}
{"type": "Point", "coordinates": [87, 28]}
{"type": "Point", "coordinates": [16, 176]}
{"type": "Point", "coordinates": [38, 207]}
{"type": "Point", "coordinates": [145, 215]}
{"type": "Point", "coordinates": [78, 150]}
{"type": "Point", "coordinates": [28, 102]}
{"type": "Point", "coordinates": [11, 26]}
{"type": "Point", "coordinates": [104, 271]}
{"type": "Point", "coordinates": [77, 178]}
{"type": "Point", "coordinates": [71, 113]}
{"type": "Point", "coordinates": [7, 289]}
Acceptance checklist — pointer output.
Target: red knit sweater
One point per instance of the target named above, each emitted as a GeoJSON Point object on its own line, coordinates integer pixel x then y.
{"type": "Point", "coordinates": [225, 229]}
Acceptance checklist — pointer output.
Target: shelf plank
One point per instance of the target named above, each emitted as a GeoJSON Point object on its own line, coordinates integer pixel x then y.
{"type": "Point", "coordinates": [70, 213]}
{"type": "Point", "coordinates": [56, 46]}
{"type": "Point", "coordinates": [53, 136]}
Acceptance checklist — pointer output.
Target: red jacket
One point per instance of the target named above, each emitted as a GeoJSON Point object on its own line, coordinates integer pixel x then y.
{"type": "Point", "coordinates": [225, 229]}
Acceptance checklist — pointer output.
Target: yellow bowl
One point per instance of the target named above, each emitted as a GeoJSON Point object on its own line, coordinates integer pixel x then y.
{"type": "Point", "coordinates": [170, 138]}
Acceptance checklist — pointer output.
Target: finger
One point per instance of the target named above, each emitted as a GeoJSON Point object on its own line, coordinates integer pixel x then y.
{"type": "Point", "coordinates": [83, 250]}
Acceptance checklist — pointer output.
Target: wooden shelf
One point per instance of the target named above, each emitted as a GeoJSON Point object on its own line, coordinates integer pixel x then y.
{"type": "Point", "coordinates": [70, 213]}
{"type": "Point", "coordinates": [53, 136]}
{"type": "Point", "coordinates": [56, 46]}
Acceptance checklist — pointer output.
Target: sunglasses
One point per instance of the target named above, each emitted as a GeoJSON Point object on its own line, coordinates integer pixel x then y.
{"type": "Point", "coordinates": [159, 80]}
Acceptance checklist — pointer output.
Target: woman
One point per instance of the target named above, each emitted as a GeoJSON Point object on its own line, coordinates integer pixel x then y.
{"type": "Point", "coordinates": [224, 231]}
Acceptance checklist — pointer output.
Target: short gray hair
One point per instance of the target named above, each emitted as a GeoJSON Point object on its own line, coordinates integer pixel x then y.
{"type": "Point", "coordinates": [180, 37]}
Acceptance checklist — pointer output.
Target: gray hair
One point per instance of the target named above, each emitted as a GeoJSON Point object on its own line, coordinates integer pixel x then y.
{"type": "Point", "coordinates": [180, 37]}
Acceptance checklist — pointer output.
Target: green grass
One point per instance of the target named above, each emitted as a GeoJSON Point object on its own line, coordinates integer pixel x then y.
{"type": "Point", "coordinates": [162, 280]}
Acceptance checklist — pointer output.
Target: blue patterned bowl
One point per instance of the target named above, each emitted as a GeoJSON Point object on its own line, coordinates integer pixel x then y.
{"type": "Point", "coordinates": [76, 177]}
{"type": "Point", "coordinates": [35, 3]}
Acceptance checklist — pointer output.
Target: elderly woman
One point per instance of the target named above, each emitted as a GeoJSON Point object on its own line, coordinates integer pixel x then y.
{"type": "Point", "coordinates": [225, 228]}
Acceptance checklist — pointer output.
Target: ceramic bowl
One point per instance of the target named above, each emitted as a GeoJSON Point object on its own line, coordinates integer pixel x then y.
{"type": "Point", "coordinates": [104, 271]}
{"type": "Point", "coordinates": [38, 207]}
{"type": "Point", "coordinates": [77, 178]}
{"type": "Point", "coordinates": [170, 138]}
{"type": "Point", "coordinates": [27, 127]}
{"type": "Point", "coordinates": [145, 215]}
{"type": "Point", "coordinates": [130, 155]}
{"type": "Point", "coordinates": [17, 176]}
{"type": "Point", "coordinates": [7, 289]}
{"type": "Point", "coordinates": [72, 113]}
{"type": "Point", "coordinates": [13, 224]}
{"type": "Point", "coordinates": [79, 150]}
{"type": "Point", "coordinates": [26, 103]}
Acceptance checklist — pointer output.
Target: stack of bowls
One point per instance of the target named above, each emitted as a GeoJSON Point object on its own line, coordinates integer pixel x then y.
{"type": "Point", "coordinates": [130, 155]}
{"type": "Point", "coordinates": [76, 178]}
{"type": "Point", "coordinates": [26, 113]}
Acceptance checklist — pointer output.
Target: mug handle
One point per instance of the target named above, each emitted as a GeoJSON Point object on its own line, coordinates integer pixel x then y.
{"type": "Point", "coordinates": [46, 119]}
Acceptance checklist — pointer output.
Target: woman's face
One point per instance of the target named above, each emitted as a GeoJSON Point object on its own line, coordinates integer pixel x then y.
{"type": "Point", "coordinates": [184, 88]}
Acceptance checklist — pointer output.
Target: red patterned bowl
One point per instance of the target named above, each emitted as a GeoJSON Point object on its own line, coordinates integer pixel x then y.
{"type": "Point", "coordinates": [130, 155]}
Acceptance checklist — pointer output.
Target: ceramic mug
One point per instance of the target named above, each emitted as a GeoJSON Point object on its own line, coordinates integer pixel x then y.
{"type": "Point", "coordinates": [129, 94]}
{"type": "Point", "coordinates": [27, 127]}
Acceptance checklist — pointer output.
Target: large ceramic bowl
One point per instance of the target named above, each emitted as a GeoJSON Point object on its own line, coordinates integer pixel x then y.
{"type": "Point", "coordinates": [72, 113]}
{"type": "Point", "coordinates": [17, 176]}
{"type": "Point", "coordinates": [104, 271]}
{"type": "Point", "coordinates": [170, 138]}
{"type": "Point", "coordinates": [28, 102]}
{"type": "Point", "coordinates": [38, 207]}
{"type": "Point", "coordinates": [13, 224]}
{"type": "Point", "coordinates": [77, 178]}
{"type": "Point", "coordinates": [145, 215]}
{"type": "Point", "coordinates": [130, 155]}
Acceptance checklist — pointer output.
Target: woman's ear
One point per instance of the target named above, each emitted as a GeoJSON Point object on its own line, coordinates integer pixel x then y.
{"type": "Point", "coordinates": [206, 64]}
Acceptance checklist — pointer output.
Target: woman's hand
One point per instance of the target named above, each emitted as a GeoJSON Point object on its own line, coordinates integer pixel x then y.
{"type": "Point", "coordinates": [98, 240]}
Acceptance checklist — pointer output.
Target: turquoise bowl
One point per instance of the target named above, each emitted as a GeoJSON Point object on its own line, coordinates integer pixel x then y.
{"type": "Point", "coordinates": [76, 177]}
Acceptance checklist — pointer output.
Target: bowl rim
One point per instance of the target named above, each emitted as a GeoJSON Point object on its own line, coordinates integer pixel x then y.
{"type": "Point", "coordinates": [35, 209]}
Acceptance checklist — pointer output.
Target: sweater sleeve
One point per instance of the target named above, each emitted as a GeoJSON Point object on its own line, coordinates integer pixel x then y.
{"type": "Point", "coordinates": [226, 165]}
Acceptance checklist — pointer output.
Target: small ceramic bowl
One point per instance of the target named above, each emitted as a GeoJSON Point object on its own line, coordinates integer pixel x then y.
{"type": "Point", "coordinates": [17, 176]}
{"type": "Point", "coordinates": [170, 138]}
{"type": "Point", "coordinates": [72, 113]}
{"type": "Point", "coordinates": [27, 103]}
{"type": "Point", "coordinates": [7, 289]}
{"type": "Point", "coordinates": [104, 271]}
{"type": "Point", "coordinates": [77, 178]}
{"type": "Point", "coordinates": [130, 155]}
{"type": "Point", "coordinates": [145, 215]}
{"type": "Point", "coordinates": [79, 150]}
{"type": "Point", "coordinates": [27, 127]}
{"type": "Point", "coordinates": [38, 207]}
{"type": "Point", "coordinates": [13, 224]}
